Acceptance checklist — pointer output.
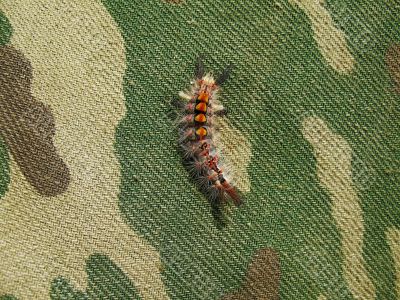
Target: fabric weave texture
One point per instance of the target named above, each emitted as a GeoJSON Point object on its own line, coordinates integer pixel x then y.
{"type": "Point", "coordinates": [95, 202]}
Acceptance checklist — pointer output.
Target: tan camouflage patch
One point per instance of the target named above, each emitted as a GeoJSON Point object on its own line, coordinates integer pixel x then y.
{"type": "Point", "coordinates": [331, 40]}
{"type": "Point", "coordinates": [393, 65]}
{"type": "Point", "coordinates": [236, 150]}
{"type": "Point", "coordinates": [262, 278]}
{"type": "Point", "coordinates": [27, 126]}
{"type": "Point", "coordinates": [78, 69]}
{"type": "Point", "coordinates": [393, 238]}
{"type": "Point", "coordinates": [334, 171]}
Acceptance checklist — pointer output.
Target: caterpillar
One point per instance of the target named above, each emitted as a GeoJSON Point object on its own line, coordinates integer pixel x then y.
{"type": "Point", "coordinates": [198, 135]}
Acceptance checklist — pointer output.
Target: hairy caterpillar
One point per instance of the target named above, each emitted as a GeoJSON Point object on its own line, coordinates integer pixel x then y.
{"type": "Point", "coordinates": [198, 135]}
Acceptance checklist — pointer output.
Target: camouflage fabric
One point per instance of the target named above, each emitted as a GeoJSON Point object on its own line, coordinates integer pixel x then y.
{"type": "Point", "coordinates": [95, 202]}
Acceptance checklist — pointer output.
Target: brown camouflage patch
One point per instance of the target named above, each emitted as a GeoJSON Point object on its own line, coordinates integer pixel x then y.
{"type": "Point", "coordinates": [393, 64]}
{"type": "Point", "coordinates": [27, 126]}
{"type": "Point", "coordinates": [262, 278]}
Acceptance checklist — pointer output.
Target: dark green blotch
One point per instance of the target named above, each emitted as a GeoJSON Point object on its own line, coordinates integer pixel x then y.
{"type": "Point", "coordinates": [5, 34]}
{"type": "Point", "coordinates": [8, 297]}
{"type": "Point", "coordinates": [62, 290]}
{"type": "Point", "coordinates": [105, 281]}
{"type": "Point", "coordinates": [4, 168]}
{"type": "Point", "coordinates": [5, 30]}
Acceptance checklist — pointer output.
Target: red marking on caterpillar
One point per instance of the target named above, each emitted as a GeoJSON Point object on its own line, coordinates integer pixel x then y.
{"type": "Point", "coordinates": [198, 136]}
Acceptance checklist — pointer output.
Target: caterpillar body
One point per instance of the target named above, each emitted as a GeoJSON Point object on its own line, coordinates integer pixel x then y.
{"type": "Point", "coordinates": [198, 136]}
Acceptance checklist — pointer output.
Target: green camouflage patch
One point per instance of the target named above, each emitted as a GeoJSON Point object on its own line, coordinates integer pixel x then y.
{"type": "Point", "coordinates": [5, 29]}
{"type": "Point", "coordinates": [101, 270]}
{"type": "Point", "coordinates": [4, 169]}
{"type": "Point", "coordinates": [5, 32]}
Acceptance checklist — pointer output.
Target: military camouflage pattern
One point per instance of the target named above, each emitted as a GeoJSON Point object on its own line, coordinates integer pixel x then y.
{"type": "Point", "coordinates": [95, 202]}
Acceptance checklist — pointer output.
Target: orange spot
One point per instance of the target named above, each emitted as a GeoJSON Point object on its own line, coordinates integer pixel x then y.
{"type": "Point", "coordinates": [201, 107]}
{"type": "Point", "coordinates": [201, 132]}
{"type": "Point", "coordinates": [203, 97]}
{"type": "Point", "coordinates": [200, 118]}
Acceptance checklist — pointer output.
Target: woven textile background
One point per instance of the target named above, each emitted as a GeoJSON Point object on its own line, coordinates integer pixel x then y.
{"type": "Point", "coordinates": [95, 202]}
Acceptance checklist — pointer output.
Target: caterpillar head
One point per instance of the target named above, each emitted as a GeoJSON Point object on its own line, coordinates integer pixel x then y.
{"type": "Point", "coordinates": [207, 87]}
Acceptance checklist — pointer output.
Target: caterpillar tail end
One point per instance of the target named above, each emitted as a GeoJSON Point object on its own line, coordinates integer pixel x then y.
{"type": "Point", "coordinates": [232, 193]}
{"type": "Point", "coordinates": [235, 197]}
